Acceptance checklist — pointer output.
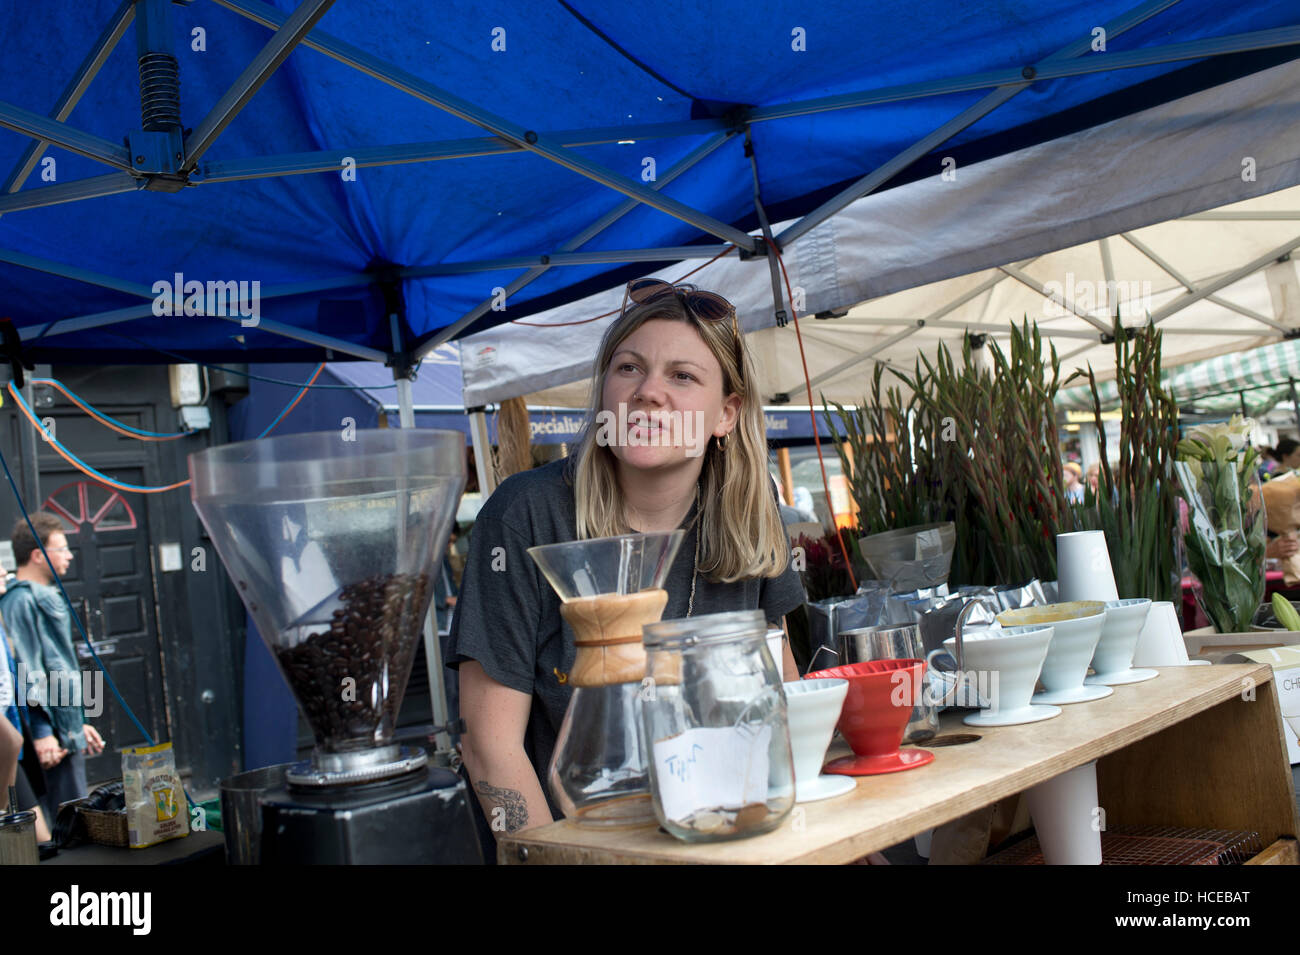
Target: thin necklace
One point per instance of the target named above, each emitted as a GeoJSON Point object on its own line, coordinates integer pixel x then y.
{"type": "Point", "coordinates": [695, 565]}
{"type": "Point", "coordinates": [690, 605]}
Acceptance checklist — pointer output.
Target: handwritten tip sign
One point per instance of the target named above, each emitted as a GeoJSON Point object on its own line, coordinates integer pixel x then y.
{"type": "Point", "coordinates": [712, 768]}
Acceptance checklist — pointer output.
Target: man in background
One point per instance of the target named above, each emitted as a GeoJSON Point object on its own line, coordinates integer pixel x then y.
{"type": "Point", "coordinates": [39, 622]}
{"type": "Point", "coordinates": [11, 735]}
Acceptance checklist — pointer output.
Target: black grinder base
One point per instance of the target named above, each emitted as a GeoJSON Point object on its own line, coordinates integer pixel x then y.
{"type": "Point", "coordinates": [420, 818]}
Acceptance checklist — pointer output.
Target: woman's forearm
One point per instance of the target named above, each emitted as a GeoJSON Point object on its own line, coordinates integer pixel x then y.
{"type": "Point", "coordinates": [507, 787]}
{"type": "Point", "coordinates": [11, 743]}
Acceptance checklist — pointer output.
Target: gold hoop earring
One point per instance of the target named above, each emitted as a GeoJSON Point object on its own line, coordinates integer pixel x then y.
{"type": "Point", "coordinates": [722, 442]}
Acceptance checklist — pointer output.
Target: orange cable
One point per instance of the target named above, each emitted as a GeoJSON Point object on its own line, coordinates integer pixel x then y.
{"type": "Point", "coordinates": [821, 461]}
{"type": "Point", "coordinates": [102, 419]}
{"type": "Point", "coordinates": [86, 469]}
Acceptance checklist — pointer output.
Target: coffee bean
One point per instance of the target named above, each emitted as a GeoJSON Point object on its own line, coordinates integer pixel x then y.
{"type": "Point", "coordinates": [371, 638]}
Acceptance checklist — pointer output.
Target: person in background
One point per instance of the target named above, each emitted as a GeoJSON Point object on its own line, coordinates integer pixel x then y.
{"type": "Point", "coordinates": [1286, 454]}
{"type": "Point", "coordinates": [803, 503]}
{"type": "Point", "coordinates": [1268, 465]}
{"type": "Point", "coordinates": [1093, 476]}
{"type": "Point", "coordinates": [788, 514]}
{"type": "Point", "coordinates": [1072, 475]}
{"type": "Point", "coordinates": [40, 623]}
{"type": "Point", "coordinates": [11, 737]}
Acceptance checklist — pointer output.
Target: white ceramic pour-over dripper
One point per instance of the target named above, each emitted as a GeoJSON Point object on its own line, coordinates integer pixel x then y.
{"type": "Point", "coordinates": [812, 710]}
{"type": "Point", "coordinates": [1064, 811]}
{"type": "Point", "coordinates": [1112, 663]}
{"type": "Point", "coordinates": [1083, 567]}
{"type": "Point", "coordinates": [1078, 627]}
{"type": "Point", "coordinates": [1007, 663]}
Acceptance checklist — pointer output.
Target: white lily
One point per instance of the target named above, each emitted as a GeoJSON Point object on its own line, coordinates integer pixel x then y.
{"type": "Point", "coordinates": [1236, 432]}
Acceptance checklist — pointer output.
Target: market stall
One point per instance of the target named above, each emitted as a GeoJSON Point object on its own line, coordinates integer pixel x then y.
{"type": "Point", "coordinates": [1185, 750]}
{"type": "Point", "coordinates": [329, 538]}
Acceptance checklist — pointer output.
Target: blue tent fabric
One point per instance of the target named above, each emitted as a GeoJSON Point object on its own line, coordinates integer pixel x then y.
{"type": "Point", "coordinates": [541, 67]}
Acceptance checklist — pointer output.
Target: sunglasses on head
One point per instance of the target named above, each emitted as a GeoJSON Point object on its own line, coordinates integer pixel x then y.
{"type": "Point", "coordinates": [706, 306]}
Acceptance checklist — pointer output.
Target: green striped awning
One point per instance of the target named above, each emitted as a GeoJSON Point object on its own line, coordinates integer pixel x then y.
{"type": "Point", "coordinates": [1215, 384]}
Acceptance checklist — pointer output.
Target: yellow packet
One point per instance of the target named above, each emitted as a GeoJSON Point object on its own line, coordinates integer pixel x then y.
{"type": "Point", "coordinates": [155, 799]}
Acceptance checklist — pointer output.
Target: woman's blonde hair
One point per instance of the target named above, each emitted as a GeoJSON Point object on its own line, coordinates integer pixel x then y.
{"type": "Point", "coordinates": [741, 534]}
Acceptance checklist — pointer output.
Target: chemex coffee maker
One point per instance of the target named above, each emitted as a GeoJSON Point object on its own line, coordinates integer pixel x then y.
{"type": "Point", "coordinates": [610, 587]}
{"type": "Point", "coordinates": [333, 540]}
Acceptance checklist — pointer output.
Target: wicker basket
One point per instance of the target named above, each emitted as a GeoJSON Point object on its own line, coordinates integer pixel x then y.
{"type": "Point", "coordinates": [105, 828]}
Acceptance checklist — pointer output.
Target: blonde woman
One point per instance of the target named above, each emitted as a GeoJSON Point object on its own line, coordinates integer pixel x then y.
{"type": "Point", "coordinates": [675, 438]}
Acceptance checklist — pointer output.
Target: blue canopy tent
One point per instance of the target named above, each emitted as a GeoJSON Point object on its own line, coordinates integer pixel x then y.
{"type": "Point", "coordinates": [228, 181]}
{"type": "Point", "coordinates": [352, 180]}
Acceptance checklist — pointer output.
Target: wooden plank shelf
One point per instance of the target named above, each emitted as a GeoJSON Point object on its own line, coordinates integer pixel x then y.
{"type": "Point", "coordinates": [1197, 746]}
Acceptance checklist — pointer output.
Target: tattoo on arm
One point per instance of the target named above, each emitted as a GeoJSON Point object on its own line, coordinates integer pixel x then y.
{"type": "Point", "coordinates": [510, 814]}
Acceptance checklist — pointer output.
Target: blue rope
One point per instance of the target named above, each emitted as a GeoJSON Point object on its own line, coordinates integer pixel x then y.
{"type": "Point", "coordinates": [85, 468]}
{"type": "Point", "coordinates": [95, 412]}
{"type": "Point", "coordinates": [285, 410]}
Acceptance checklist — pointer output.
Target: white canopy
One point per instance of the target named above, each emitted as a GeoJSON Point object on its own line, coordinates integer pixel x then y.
{"type": "Point", "coordinates": [1115, 214]}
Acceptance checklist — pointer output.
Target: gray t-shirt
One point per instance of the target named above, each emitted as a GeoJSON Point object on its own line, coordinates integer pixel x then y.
{"type": "Point", "coordinates": [508, 617]}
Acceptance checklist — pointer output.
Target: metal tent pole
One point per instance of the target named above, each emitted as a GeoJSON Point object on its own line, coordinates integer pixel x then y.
{"type": "Point", "coordinates": [432, 645]}
{"type": "Point", "coordinates": [478, 433]}
{"type": "Point", "coordinates": [1295, 405]}
{"type": "Point", "coordinates": [30, 452]}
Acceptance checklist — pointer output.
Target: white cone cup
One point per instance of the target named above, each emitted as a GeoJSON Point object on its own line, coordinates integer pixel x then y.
{"type": "Point", "coordinates": [1078, 630]}
{"type": "Point", "coordinates": [1014, 657]}
{"type": "Point", "coordinates": [1112, 664]}
{"type": "Point", "coordinates": [812, 710]}
{"type": "Point", "coordinates": [1161, 642]}
{"type": "Point", "coordinates": [1064, 811]}
{"type": "Point", "coordinates": [1083, 567]}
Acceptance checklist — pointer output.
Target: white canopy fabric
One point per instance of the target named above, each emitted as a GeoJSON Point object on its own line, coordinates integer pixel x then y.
{"type": "Point", "coordinates": [1114, 214]}
{"type": "Point", "coordinates": [1250, 383]}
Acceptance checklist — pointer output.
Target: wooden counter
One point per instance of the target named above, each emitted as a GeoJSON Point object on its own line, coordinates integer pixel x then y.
{"type": "Point", "coordinates": [1197, 746]}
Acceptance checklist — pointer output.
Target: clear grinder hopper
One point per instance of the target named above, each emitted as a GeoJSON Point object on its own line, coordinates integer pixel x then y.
{"type": "Point", "coordinates": [333, 543]}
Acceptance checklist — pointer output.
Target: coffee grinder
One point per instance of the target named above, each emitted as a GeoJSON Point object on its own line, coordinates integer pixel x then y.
{"type": "Point", "coordinates": [333, 540]}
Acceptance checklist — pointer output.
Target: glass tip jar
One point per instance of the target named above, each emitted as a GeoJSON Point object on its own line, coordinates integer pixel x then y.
{"type": "Point", "coordinates": [715, 729]}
